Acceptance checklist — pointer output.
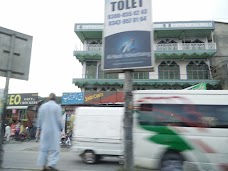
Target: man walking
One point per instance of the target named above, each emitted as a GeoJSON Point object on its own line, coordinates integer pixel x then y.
{"type": "Point", "coordinates": [7, 132]}
{"type": "Point", "coordinates": [50, 124]}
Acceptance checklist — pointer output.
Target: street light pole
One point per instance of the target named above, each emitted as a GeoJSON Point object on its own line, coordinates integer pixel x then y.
{"type": "Point", "coordinates": [5, 97]}
{"type": "Point", "coordinates": [128, 123]}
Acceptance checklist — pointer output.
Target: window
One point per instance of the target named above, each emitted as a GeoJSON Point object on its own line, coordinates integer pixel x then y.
{"type": "Point", "coordinates": [169, 70]}
{"type": "Point", "coordinates": [140, 75]}
{"type": "Point", "coordinates": [197, 70]}
{"type": "Point", "coordinates": [91, 69]}
{"type": "Point", "coordinates": [211, 116]}
{"type": "Point", "coordinates": [103, 75]}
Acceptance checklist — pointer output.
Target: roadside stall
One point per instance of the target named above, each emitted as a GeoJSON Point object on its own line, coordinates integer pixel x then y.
{"type": "Point", "coordinates": [22, 108]}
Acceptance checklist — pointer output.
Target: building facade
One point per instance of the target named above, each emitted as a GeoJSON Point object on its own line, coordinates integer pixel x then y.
{"type": "Point", "coordinates": [219, 61]}
{"type": "Point", "coordinates": [186, 53]}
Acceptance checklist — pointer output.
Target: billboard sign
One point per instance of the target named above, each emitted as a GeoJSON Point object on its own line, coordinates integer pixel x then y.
{"type": "Point", "coordinates": [27, 99]}
{"type": "Point", "coordinates": [128, 36]}
{"type": "Point", "coordinates": [72, 98]}
{"type": "Point", "coordinates": [15, 53]}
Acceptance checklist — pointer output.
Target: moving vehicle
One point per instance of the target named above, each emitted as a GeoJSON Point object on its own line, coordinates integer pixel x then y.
{"type": "Point", "coordinates": [98, 132]}
{"type": "Point", "coordinates": [181, 129]}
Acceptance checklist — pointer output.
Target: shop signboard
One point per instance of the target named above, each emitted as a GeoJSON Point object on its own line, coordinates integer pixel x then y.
{"type": "Point", "coordinates": [26, 99]}
{"type": "Point", "coordinates": [128, 36]}
{"type": "Point", "coordinates": [104, 97]}
{"type": "Point", "coordinates": [72, 98]}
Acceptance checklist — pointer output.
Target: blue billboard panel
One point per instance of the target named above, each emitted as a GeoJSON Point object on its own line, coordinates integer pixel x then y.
{"type": "Point", "coordinates": [128, 50]}
{"type": "Point", "coordinates": [128, 36]}
{"type": "Point", "coordinates": [72, 98]}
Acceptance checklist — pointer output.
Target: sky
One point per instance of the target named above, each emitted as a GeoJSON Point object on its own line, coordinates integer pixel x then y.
{"type": "Point", "coordinates": [51, 23]}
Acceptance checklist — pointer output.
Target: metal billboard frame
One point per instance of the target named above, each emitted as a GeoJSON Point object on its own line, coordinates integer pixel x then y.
{"type": "Point", "coordinates": [15, 53]}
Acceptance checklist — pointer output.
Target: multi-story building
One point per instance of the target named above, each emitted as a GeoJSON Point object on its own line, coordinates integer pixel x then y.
{"type": "Point", "coordinates": [186, 53]}
{"type": "Point", "coordinates": [219, 61]}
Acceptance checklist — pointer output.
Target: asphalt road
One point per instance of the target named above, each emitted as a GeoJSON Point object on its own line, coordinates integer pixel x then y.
{"type": "Point", "coordinates": [23, 156]}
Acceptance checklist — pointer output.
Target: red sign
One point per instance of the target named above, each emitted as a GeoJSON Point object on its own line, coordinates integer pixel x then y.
{"type": "Point", "coordinates": [103, 97]}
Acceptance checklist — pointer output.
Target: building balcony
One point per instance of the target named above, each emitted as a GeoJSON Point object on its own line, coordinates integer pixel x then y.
{"type": "Point", "coordinates": [113, 80]}
{"type": "Point", "coordinates": [185, 47]}
{"type": "Point", "coordinates": [136, 75]}
{"type": "Point", "coordinates": [162, 51]}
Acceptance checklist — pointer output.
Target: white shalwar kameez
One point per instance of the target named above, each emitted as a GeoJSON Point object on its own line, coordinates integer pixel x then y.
{"type": "Point", "coordinates": [50, 122]}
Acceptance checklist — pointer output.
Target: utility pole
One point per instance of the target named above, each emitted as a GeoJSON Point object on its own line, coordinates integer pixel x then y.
{"type": "Point", "coordinates": [5, 97]}
{"type": "Point", "coordinates": [128, 122]}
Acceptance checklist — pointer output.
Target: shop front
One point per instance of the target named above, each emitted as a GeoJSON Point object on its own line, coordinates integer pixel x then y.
{"type": "Point", "coordinates": [22, 108]}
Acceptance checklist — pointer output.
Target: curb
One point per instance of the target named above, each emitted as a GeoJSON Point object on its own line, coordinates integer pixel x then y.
{"type": "Point", "coordinates": [18, 169]}
{"type": "Point", "coordinates": [24, 169]}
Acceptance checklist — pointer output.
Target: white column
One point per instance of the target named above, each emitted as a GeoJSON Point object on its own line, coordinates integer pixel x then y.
{"type": "Point", "coordinates": [154, 75]}
{"type": "Point", "coordinates": [183, 69]}
{"type": "Point", "coordinates": [206, 43]}
{"type": "Point", "coordinates": [83, 70]}
{"type": "Point", "coordinates": [179, 46]}
{"type": "Point", "coordinates": [212, 36]}
{"type": "Point", "coordinates": [84, 45]}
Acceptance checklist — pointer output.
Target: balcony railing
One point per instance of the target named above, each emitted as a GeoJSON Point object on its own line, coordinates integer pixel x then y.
{"type": "Point", "coordinates": [163, 47]}
{"type": "Point", "coordinates": [184, 46]}
{"type": "Point", "coordinates": [94, 47]}
{"type": "Point", "coordinates": [100, 76]}
{"type": "Point", "coordinates": [136, 75]}
{"type": "Point", "coordinates": [145, 75]}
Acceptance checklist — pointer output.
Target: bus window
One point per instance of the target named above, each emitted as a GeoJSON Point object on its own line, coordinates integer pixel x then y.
{"type": "Point", "coordinates": [183, 115]}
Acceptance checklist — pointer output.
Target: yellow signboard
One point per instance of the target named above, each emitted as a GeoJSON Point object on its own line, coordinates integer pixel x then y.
{"type": "Point", "coordinates": [27, 99]}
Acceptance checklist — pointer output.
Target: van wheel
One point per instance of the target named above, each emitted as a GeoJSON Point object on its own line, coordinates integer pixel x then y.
{"type": "Point", "coordinates": [172, 162]}
{"type": "Point", "coordinates": [89, 157]}
{"type": "Point", "coordinates": [121, 160]}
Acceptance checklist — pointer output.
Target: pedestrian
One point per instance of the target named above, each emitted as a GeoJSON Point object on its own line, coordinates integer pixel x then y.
{"type": "Point", "coordinates": [7, 132]}
{"type": "Point", "coordinates": [50, 125]}
{"type": "Point", "coordinates": [37, 134]}
{"type": "Point", "coordinates": [17, 129]}
{"type": "Point", "coordinates": [13, 130]}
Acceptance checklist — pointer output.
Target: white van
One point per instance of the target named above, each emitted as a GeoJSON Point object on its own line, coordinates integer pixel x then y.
{"type": "Point", "coordinates": [181, 129]}
{"type": "Point", "coordinates": [98, 132]}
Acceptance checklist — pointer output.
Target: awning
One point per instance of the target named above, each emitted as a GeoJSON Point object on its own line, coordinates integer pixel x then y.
{"type": "Point", "coordinates": [16, 107]}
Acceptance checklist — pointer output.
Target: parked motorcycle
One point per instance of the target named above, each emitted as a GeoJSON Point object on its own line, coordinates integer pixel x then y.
{"type": "Point", "coordinates": [66, 140]}
{"type": "Point", "coordinates": [24, 136]}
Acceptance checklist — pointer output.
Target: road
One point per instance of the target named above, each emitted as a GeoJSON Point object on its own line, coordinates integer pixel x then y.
{"type": "Point", "coordinates": [23, 155]}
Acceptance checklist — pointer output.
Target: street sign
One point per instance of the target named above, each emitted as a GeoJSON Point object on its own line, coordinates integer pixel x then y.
{"type": "Point", "coordinates": [15, 54]}
{"type": "Point", "coordinates": [128, 36]}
